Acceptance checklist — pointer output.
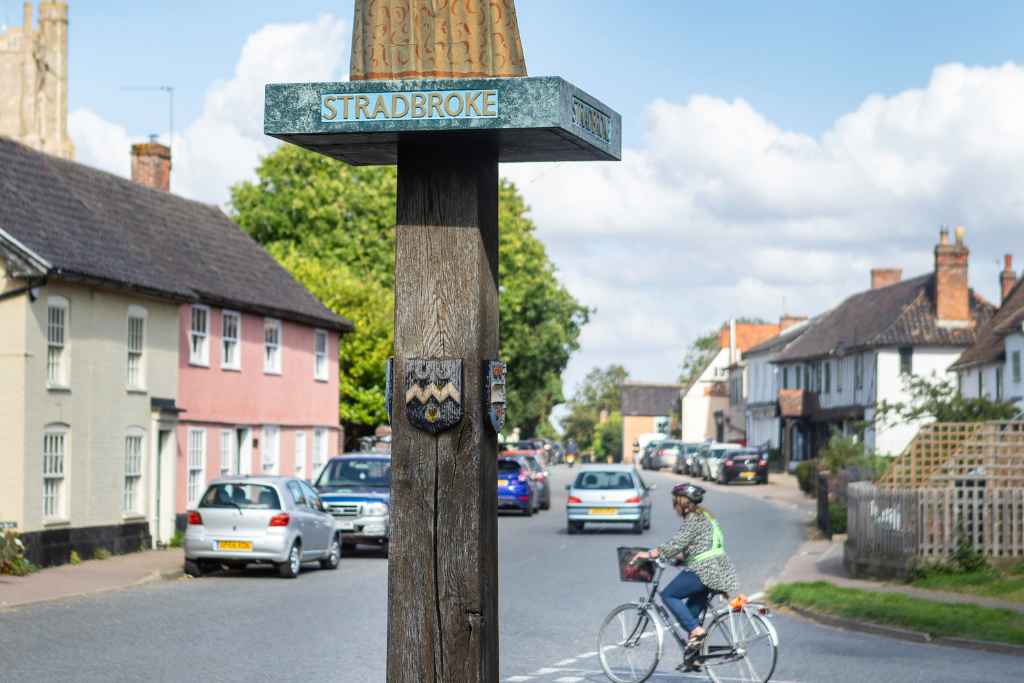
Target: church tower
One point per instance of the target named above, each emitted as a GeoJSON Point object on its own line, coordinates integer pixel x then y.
{"type": "Point", "coordinates": [33, 81]}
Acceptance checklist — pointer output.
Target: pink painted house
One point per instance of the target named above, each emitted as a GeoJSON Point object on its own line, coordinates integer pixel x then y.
{"type": "Point", "coordinates": [257, 353]}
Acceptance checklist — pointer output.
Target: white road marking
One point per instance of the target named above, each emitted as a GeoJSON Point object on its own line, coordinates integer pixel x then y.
{"type": "Point", "coordinates": [568, 679]}
{"type": "Point", "coordinates": [516, 679]}
{"type": "Point", "coordinates": [566, 661]}
{"type": "Point", "coordinates": [540, 672]}
{"type": "Point", "coordinates": [586, 654]}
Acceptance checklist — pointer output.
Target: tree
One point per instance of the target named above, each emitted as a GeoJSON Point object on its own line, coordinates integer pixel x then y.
{"type": "Point", "coordinates": [608, 438]}
{"type": "Point", "coordinates": [700, 353]}
{"type": "Point", "coordinates": [600, 390]}
{"type": "Point", "coordinates": [935, 399]}
{"type": "Point", "coordinates": [333, 227]}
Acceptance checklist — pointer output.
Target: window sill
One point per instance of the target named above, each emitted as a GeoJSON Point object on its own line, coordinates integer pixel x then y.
{"type": "Point", "coordinates": [231, 368]}
{"type": "Point", "coordinates": [56, 521]}
{"type": "Point", "coordinates": [271, 372]}
{"type": "Point", "coordinates": [320, 379]}
{"type": "Point", "coordinates": [134, 516]}
{"type": "Point", "coordinates": [198, 364]}
{"type": "Point", "coordinates": [136, 390]}
{"type": "Point", "coordinates": [58, 387]}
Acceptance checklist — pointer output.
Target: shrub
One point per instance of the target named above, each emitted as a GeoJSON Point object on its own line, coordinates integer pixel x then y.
{"type": "Point", "coordinates": [101, 554]}
{"type": "Point", "coordinates": [805, 473]}
{"type": "Point", "coordinates": [177, 540]}
{"type": "Point", "coordinates": [12, 559]}
{"type": "Point", "coordinates": [837, 511]}
{"type": "Point", "coordinates": [75, 559]}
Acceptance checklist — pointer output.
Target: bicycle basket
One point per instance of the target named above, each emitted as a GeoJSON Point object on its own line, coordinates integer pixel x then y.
{"type": "Point", "coordinates": [642, 573]}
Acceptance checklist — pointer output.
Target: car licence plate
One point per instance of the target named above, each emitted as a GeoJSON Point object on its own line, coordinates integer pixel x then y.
{"type": "Point", "coordinates": [346, 526]}
{"type": "Point", "coordinates": [748, 475]}
{"type": "Point", "coordinates": [603, 511]}
{"type": "Point", "coordinates": [234, 545]}
{"type": "Point", "coordinates": [503, 482]}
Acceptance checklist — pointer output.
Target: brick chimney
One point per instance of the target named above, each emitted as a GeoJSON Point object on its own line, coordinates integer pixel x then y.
{"type": "Point", "coordinates": [883, 277]}
{"type": "Point", "coordinates": [951, 297]}
{"type": "Point", "coordinates": [1007, 277]}
{"type": "Point", "coordinates": [151, 165]}
{"type": "Point", "coordinates": [787, 321]}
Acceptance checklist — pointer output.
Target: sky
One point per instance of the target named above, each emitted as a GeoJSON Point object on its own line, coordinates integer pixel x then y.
{"type": "Point", "coordinates": [773, 153]}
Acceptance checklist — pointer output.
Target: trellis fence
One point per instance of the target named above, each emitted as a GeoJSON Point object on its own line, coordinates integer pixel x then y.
{"type": "Point", "coordinates": [888, 527]}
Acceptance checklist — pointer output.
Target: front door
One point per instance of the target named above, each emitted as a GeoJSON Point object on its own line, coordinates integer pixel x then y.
{"type": "Point", "coordinates": [243, 450]}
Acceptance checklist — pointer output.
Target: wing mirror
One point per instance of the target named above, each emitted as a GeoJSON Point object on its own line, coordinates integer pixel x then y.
{"type": "Point", "coordinates": [547, 473]}
{"type": "Point", "coordinates": [568, 487]}
{"type": "Point", "coordinates": [652, 487]}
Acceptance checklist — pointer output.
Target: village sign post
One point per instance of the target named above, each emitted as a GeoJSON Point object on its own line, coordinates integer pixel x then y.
{"type": "Point", "coordinates": [439, 87]}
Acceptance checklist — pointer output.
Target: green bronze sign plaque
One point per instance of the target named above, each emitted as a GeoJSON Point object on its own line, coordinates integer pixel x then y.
{"type": "Point", "coordinates": [533, 119]}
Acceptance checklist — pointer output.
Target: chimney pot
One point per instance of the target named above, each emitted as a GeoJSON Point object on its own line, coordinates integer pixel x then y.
{"type": "Point", "coordinates": [1007, 277]}
{"type": "Point", "coordinates": [151, 165]}
{"type": "Point", "coordinates": [883, 277]}
{"type": "Point", "coordinates": [952, 303]}
{"type": "Point", "coordinates": [959, 232]}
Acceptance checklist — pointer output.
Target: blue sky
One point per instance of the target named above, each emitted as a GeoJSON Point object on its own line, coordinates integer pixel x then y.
{"type": "Point", "coordinates": [772, 151]}
{"type": "Point", "coordinates": [802, 64]}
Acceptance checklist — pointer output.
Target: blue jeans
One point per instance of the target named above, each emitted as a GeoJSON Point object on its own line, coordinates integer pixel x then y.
{"type": "Point", "coordinates": [686, 586]}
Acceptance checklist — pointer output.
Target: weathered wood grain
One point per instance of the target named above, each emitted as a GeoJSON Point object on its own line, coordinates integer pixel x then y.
{"type": "Point", "coordinates": [443, 573]}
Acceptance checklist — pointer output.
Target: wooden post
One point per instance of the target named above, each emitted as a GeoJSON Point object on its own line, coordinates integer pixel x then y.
{"type": "Point", "coordinates": [443, 569]}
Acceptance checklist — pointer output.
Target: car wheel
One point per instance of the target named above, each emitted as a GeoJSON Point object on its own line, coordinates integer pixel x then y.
{"type": "Point", "coordinates": [528, 510]}
{"type": "Point", "coordinates": [192, 568]}
{"type": "Point", "coordinates": [647, 523]}
{"type": "Point", "coordinates": [546, 505]}
{"type": "Point", "coordinates": [384, 547]}
{"type": "Point", "coordinates": [638, 527]}
{"type": "Point", "coordinates": [571, 528]}
{"type": "Point", "coordinates": [289, 569]}
{"type": "Point", "coordinates": [333, 555]}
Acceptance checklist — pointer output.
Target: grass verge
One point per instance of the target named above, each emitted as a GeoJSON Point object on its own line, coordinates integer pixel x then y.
{"type": "Point", "coordinates": [989, 584]}
{"type": "Point", "coordinates": [904, 611]}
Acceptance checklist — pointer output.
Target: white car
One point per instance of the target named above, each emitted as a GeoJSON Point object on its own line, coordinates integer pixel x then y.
{"type": "Point", "coordinates": [609, 493]}
{"type": "Point", "coordinates": [715, 457]}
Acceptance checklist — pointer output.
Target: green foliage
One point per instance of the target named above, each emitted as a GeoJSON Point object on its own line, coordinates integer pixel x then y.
{"type": "Point", "coordinates": [935, 399]}
{"type": "Point", "coordinates": [600, 390]}
{"type": "Point", "coordinates": [608, 438]}
{"type": "Point", "coordinates": [101, 554]}
{"type": "Point", "coordinates": [987, 583]}
{"type": "Point", "coordinates": [333, 227]}
{"type": "Point", "coordinates": [837, 511]}
{"type": "Point", "coordinates": [805, 473]}
{"type": "Point", "coordinates": [904, 611]}
{"type": "Point", "coordinates": [963, 561]}
{"type": "Point", "coordinates": [847, 453]}
{"type": "Point", "coordinates": [701, 351]}
{"type": "Point", "coordinates": [75, 559]}
{"type": "Point", "coordinates": [177, 540]}
{"type": "Point", "coordinates": [12, 558]}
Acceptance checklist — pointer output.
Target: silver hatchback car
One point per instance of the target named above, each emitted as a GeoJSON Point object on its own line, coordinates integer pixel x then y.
{"type": "Point", "coordinates": [609, 493]}
{"type": "Point", "coordinates": [240, 520]}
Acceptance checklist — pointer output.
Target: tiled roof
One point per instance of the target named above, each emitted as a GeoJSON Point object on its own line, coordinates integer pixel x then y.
{"type": "Point", "coordinates": [990, 346]}
{"type": "Point", "coordinates": [94, 226]}
{"type": "Point", "coordinates": [650, 399]}
{"type": "Point", "coordinates": [902, 314]}
{"type": "Point", "coordinates": [775, 344]}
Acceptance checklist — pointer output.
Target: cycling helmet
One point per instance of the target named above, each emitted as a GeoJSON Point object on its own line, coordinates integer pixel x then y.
{"type": "Point", "coordinates": [689, 491]}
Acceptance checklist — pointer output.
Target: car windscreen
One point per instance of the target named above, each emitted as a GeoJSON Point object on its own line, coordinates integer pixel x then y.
{"type": "Point", "coordinates": [745, 455]}
{"type": "Point", "coordinates": [691, 448]}
{"type": "Point", "coordinates": [353, 472]}
{"type": "Point", "coordinates": [608, 479]}
{"type": "Point", "coordinates": [245, 496]}
{"type": "Point", "coordinates": [507, 467]}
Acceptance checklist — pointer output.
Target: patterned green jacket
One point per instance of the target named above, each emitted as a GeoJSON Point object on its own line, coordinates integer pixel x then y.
{"type": "Point", "coordinates": [694, 537]}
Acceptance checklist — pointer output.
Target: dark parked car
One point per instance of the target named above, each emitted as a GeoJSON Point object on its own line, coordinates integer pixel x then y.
{"type": "Point", "coordinates": [540, 479]}
{"type": "Point", "coordinates": [687, 454]}
{"type": "Point", "coordinates": [664, 454]}
{"type": "Point", "coordinates": [747, 464]}
{"type": "Point", "coordinates": [515, 485]}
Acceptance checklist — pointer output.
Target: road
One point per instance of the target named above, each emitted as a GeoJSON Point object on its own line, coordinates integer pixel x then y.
{"type": "Point", "coordinates": [555, 591]}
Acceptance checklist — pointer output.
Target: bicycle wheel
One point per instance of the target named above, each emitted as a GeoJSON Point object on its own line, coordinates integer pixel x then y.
{"type": "Point", "coordinates": [739, 647]}
{"type": "Point", "coordinates": [629, 644]}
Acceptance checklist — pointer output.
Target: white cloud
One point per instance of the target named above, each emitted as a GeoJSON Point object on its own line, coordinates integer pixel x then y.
{"type": "Point", "coordinates": [224, 145]}
{"type": "Point", "coordinates": [723, 214]}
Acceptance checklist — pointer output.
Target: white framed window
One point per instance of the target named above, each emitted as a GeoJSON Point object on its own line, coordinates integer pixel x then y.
{"type": "Point", "coordinates": [271, 450]}
{"type": "Point", "coordinates": [272, 346]}
{"type": "Point", "coordinates": [133, 470]}
{"type": "Point", "coordinates": [227, 450]}
{"type": "Point", "coordinates": [321, 366]}
{"type": "Point", "coordinates": [300, 455]}
{"type": "Point", "coordinates": [319, 449]}
{"type": "Point", "coordinates": [196, 464]}
{"type": "Point", "coordinates": [136, 347]}
{"type": "Point", "coordinates": [54, 468]}
{"type": "Point", "coordinates": [57, 341]}
{"type": "Point", "coordinates": [199, 336]}
{"type": "Point", "coordinates": [231, 334]}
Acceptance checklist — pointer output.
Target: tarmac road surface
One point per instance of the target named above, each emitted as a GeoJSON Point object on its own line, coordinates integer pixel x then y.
{"type": "Point", "coordinates": [555, 591]}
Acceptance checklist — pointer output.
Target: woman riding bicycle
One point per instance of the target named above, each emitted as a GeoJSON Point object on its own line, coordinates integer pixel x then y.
{"type": "Point", "coordinates": [706, 568]}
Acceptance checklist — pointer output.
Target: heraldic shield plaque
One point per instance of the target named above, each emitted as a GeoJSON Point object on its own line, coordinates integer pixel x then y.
{"type": "Point", "coordinates": [433, 394]}
{"type": "Point", "coordinates": [494, 393]}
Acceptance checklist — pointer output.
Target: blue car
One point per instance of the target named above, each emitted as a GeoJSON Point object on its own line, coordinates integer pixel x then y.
{"type": "Point", "coordinates": [516, 485]}
{"type": "Point", "coordinates": [356, 490]}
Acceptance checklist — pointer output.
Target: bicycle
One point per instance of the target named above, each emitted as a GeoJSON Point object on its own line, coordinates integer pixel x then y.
{"type": "Point", "coordinates": [740, 644]}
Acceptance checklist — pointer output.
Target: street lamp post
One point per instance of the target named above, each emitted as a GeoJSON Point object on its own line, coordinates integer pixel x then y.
{"type": "Point", "coordinates": [446, 100]}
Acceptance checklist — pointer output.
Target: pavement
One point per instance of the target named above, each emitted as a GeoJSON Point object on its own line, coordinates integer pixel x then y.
{"type": "Point", "coordinates": [92, 576]}
{"type": "Point", "coordinates": [823, 561]}
{"type": "Point", "coordinates": [554, 592]}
